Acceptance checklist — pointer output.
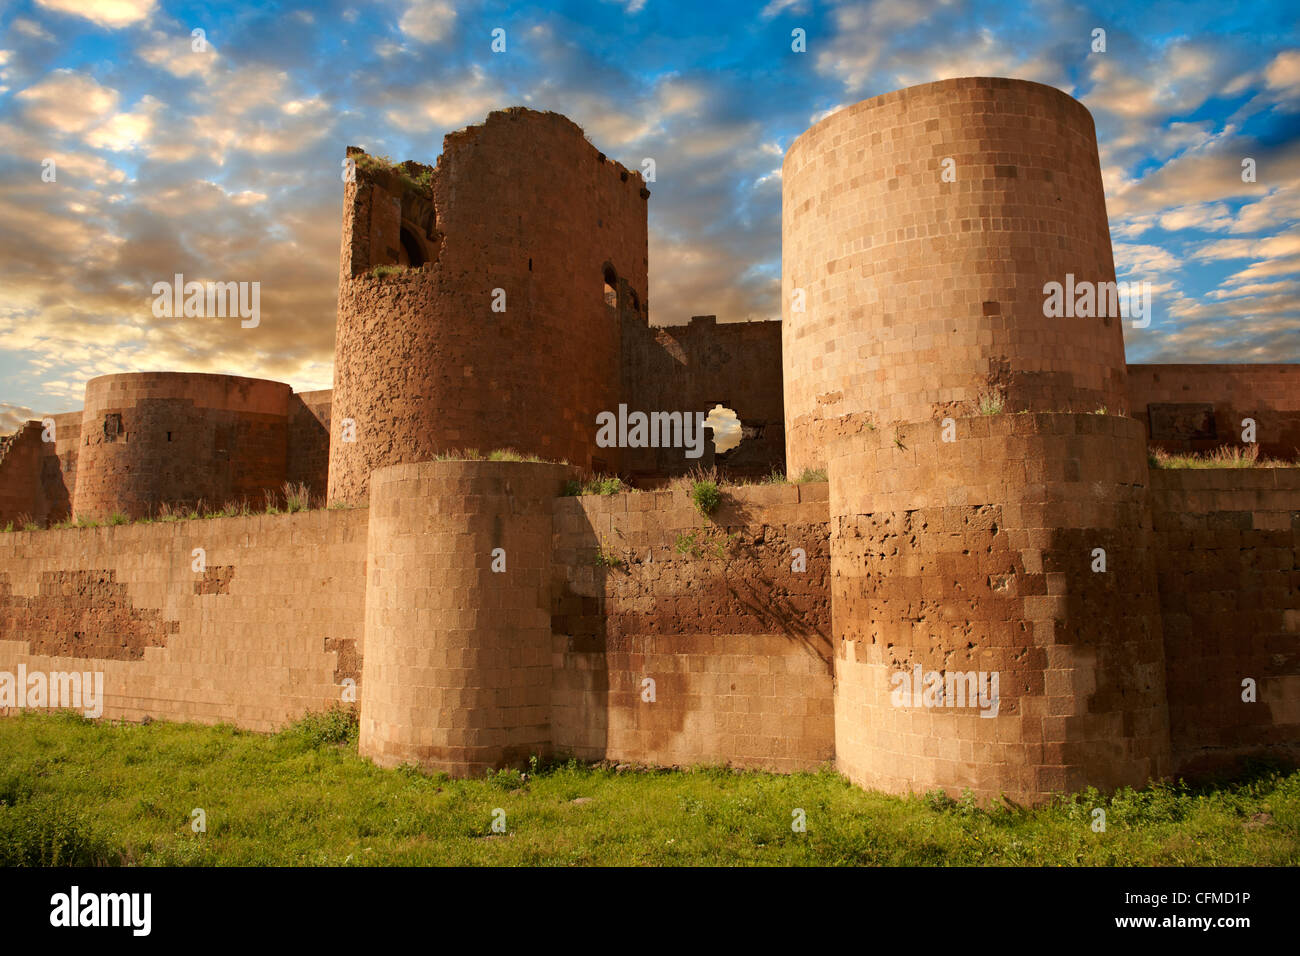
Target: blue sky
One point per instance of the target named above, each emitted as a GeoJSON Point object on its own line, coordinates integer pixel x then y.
{"type": "Point", "coordinates": [224, 163]}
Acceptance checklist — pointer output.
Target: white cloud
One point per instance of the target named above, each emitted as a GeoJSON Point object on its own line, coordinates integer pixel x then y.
{"type": "Point", "coordinates": [776, 7]}
{"type": "Point", "coordinates": [12, 416]}
{"type": "Point", "coordinates": [428, 21]}
{"type": "Point", "coordinates": [726, 428]}
{"type": "Point", "coordinates": [1283, 73]}
{"type": "Point", "coordinates": [126, 130]}
{"type": "Point", "coordinates": [106, 13]}
{"type": "Point", "coordinates": [1257, 288]}
{"type": "Point", "coordinates": [1204, 216]}
{"type": "Point", "coordinates": [1137, 259]}
{"type": "Point", "coordinates": [177, 56]}
{"type": "Point", "coordinates": [1269, 247]}
{"type": "Point", "coordinates": [1266, 269]}
{"type": "Point", "coordinates": [449, 106]}
{"type": "Point", "coordinates": [679, 96]}
{"type": "Point", "coordinates": [68, 102]}
{"type": "Point", "coordinates": [31, 29]}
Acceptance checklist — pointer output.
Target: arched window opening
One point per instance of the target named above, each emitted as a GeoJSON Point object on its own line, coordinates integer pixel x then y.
{"type": "Point", "coordinates": [412, 253]}
{"type": "Point", "coordinates": [611, 288]}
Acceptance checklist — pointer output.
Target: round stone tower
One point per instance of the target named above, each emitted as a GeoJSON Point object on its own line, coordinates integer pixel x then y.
{"type": "Point", "coordinates": [480, 301]}
{"type": "Point", "coordinates": [918, 231]}
{"type": "Point", "coordinates": [457, 666]}
{"type": "Point", "coordinates": [149, 438]}
{"type": "Point", "coordinates": [995, 614]}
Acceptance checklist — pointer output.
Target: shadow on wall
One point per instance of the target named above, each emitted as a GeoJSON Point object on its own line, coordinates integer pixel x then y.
{"type": "Point", "coordinates": [659, 591]}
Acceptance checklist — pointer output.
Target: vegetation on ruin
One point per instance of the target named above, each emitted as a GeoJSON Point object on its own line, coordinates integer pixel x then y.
{"type": "Point", "coordinates": [421, 181]}
{"type": "Point", "coordinates": [1224, 457]}
{"type": "Point", "coordinates": [990, 403]}
{"type": "Point", "coordinates": [25, 523]}
{"type": "Point", "coordinates": [705, 496]}
{"type": "Point", "coordinates": [596, 485]}
{"type": "Point", "coordinates": [73, 791]}
{"type": "Point", "coordinates": [706, 540]}
{"type": "Point", "coordinates": [604, 557]}
{"type": "Point", "coordinates": [383, 272]}
{"type": "Point", "coordinates": [777, 477]}
{"type": "Point", "coordinates": [290, 499]}
{"type": "Point", "coordinates": [500, 454]}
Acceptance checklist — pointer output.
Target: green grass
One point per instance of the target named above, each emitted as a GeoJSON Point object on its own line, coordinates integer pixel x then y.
{"type": "Point", "coordinates": [706, 496]}
{"type": "Point", "coordinates": [509, 454]}
{"type": "Point", "coordinates": [706, 541]}
{"type": "Point", "coordinates": [291, 498]}
{"type": "Point", "coordinates": [421, 181]}
{"type": "Point", "coordinates": [778, 477]}
{"type": "Point", "coordinates": [500, 454]}
{"type": "Point", "coordinates": [73, 791]}
{"type": "Point", "coordinates": [1224, 457]}
{"type": "Point", "coordinates": [598, 485]}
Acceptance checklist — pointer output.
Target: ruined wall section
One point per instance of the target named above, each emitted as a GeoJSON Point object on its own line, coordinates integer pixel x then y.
{"type": "Point", "coordinates": [1227, 542]}
{"type": "Point", "coordinates": [59, 465]}
{"type": "Point", "coordinates": [37, 477]}
{"type": "Point", "coordinates": [522, 203]}
{"type": "Point", "coordinates": [22, 493]}
{"type": "Point", "coordinates": [697, 366]}
{"type": "Point", "coordinates": [154, 437]}
{"type": "Point", "coordinates": [1197, 408]}
{"type": "Point", "coordinates": [920, 295]}
{"type": "Point", "coordinates": [713, 610]}
{"type": "Point", "coordinates": [307, 457]}
{"type": "Point", "coordinates": [268, 631]}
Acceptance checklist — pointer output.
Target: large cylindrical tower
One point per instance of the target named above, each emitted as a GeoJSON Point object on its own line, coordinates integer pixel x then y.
{"type": "Point", "coordinates": [994, 606]}
{"type": "Point", "coordinates": [480, 301]}
{"type": "Point", "coordinates": [149, 438]}
{"type": "Point", "coordinates": [918, 231]}
{"type": "Point", "coordinates": [457, 663]}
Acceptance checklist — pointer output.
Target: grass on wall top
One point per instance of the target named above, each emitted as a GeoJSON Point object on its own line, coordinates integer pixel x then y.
{"type": "Point", "coordinates": [1225, 457]}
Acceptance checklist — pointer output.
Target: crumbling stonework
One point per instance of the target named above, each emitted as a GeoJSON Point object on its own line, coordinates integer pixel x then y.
{"type": "Point", "coordinates": [82, 614]}
{"type": "Point", "coordinates": [502, 336]}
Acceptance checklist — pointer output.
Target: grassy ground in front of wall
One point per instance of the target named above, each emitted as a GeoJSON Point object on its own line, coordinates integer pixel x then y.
{"type": "Point", "coordinates": [75, 792]}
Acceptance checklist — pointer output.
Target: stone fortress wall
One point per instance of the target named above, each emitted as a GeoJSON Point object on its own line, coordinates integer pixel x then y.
{"type": "Point", "coordinates": [478, 615]}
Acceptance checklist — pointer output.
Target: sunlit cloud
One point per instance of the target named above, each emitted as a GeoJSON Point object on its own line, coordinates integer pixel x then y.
{"type": "Point", "coordinates": [106, 13]}
{"type": "Point", "coordinates": [224, 160]}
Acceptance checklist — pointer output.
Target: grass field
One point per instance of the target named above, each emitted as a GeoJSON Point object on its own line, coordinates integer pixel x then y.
{"type": "Point", "coordinates": [78, 792]}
